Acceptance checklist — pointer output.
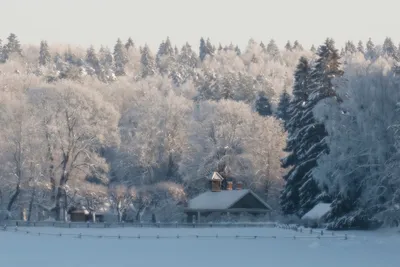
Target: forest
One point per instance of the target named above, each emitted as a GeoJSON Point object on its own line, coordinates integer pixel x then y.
{"type": "Point", "coordinates": [130, 129]}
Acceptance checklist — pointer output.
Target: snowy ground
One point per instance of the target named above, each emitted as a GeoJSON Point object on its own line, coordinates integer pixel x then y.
{"type": "Point", "coordinates": [366, 249]}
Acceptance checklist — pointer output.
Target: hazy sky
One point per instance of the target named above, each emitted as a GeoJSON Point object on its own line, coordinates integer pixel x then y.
{"type": "Point", "coordinates": [98, 22]}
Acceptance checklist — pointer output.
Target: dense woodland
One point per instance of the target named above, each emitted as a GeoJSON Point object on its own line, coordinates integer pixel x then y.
{"type": "Point", "coordinates": [139, 130]}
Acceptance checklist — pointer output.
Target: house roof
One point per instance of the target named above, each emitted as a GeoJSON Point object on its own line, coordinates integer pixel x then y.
{"type": "Point", "coordinates": [216, 177]}
{"type": "Point", "coordinates": [318, 211]}
{"type": "Point", "coordinates": [222, 200]}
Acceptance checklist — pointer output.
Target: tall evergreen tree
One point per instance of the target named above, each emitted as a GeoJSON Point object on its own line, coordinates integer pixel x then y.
{"type": "Point", "coordinates": [148, 62]}
{"type": "Point", "coordinates": [389, 49]}
{"type": "Point", "coordinates": [313, 49]}
{"type": "Point", "coordinates": [371, 50]}
{"type": "Point", "coordinates": [93, 60]}
{"type": "Point", "coordinates": [129, 44]}
{"type": "Point", "coordinates": [272, 49]}
{"type": "Point", "coordinates": [350, 48]}
{"type": "Point", "coordinates": [309, 138]}
{"type": "Point", "coordinates": [360, 47]}
{"type": "Point", "coordinates": [289, 199]}
{"type": "Point", "coordinates": [263, 47]}
{"type": "Point", "coordinates": [297, 46]}
{"type": "Point", "coordinates": [206, 49]}
{"type": "Point", "coordinates": [44, 54]}
{"type": "Point", "coordinates": [120, 58]}
{"type": "Point", "coordinates": [288, 46]}
{"type": "Point", "coordinates": [12, 46]}
{"type": "Point", "coordinates": [2, 56]}
{"type": "Point", "coordinates": [283, 107]}
{"type": "Point", "coordinates": [263, 105]}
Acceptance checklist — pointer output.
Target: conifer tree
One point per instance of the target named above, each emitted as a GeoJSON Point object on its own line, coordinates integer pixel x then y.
{"type": "Point", "coordinates": [360, 47]}
{"type": "Point", "coordinates": [283, 107]}
{"type": "Point", "coordinates": [93, 60]}
{"type": "Point", "coordinates": [237, 50]}
{"type": "Point", "coordinates": [129, 44]}
{"type": "Point", "coordinates": [371, 51]}
{"type": "Point", "coordinates": [389, 49]}
{"type": "Point", "coordinates": [297, 46]}
{"type": "Point", "coordinates": [307, 139]}
{"type": "Point", "coordinates": [263, 47]}
{"type": "Point", "coordinates": [12, 46]}
{"type": "Point", "coordinates": [2, 56]}
{"type": "Point", "coordinates": [288, 46]}
{"type": "Point", "coordinates": [272, 49]}
{"type": "Point", "coordinates": [350, 48]}
{"type": "Point", "coordinates": [289, 199]}
{"type": "Point", "coordinates": [206, 49]}
{"type": "Point", "coordinates": [313, 49]}
{"type": "Point", "coordinates": [148, 62]}
{"type": "Point", "coordinates": [120, 58]}
{"type": "Point", "coordinates": [44, 54]}
{"type": "Point", "coordinates": [263, 105]}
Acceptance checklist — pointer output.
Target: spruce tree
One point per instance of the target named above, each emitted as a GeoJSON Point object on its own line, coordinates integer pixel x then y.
{"type": "Point", "coordinates": [263, 47]}
{"type": "Point", "coordinates": [206, 49]}
{"type": "Point", "coordinates": [237, 50]}
{"type": "Point", "coordinates": [371, 51]}
{"type": "Point", "coordinates": [272, 49]}
{"type": "Point", "coordinates": [12, 46]}
{"type": "Point", "coordinates": [360, 47]}
{"type": "Point", "coordinates": [307, 140]}
{"type": "Point", "coordinates": [289, 199]}
{"type": "Point", "coordinates": [148, 63]}
{"type": "Point", "coordinates": [313, 49]}
{"type": "Point", "coordinates": [297, 46]}
{"type": "Point", "coordinates": [93, 60]}
{"type": "Point", "coordinates": [263, 105]}
{"type": "Point", "coordinates": [288, 46]}
{"type": "Point", "coordinates": [389, 49]}
{"type": "Point", "coordinates": [283, 107]}
{"type": "Point", "coordinates": [44, 54]}
{"type": "Point", "coordinates": [129, 44]}
{"type": "Point", "coordinates": [2, 56]}
{"type": "Point", "coordinates": [350, 48]}
{"type": "Point", "coordinates": [120, 58]}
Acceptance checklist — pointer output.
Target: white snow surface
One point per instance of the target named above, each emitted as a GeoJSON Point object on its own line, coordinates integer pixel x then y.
{"type": "Point", "coordinates": [217, 200]}
{"type": "Point", "coordinates": [318, 211]}
{"type": "Point", "coordinates": [366, 249]}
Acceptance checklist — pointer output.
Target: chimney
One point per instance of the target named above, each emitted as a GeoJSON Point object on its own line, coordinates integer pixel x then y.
{"type": "Point", "coordinates": [229, 185]}
{"type": "Point", "coordinates": [239, 186]}
{"type": "Point", "coordinates": [215, 186]}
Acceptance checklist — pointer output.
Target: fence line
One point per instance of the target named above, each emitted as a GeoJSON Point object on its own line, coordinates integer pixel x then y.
{"type": "Point", "coordinates": [138, 237]}
{"type": "Point", "coordinates": [138, 225]}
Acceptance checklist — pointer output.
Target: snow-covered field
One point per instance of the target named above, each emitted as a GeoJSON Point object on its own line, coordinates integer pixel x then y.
{"type": "Point", "coordinates": [366, 249]}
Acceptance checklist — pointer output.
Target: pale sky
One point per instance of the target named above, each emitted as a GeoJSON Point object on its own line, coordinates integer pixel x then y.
{"type": "Point", "coordinates": [96, 22]}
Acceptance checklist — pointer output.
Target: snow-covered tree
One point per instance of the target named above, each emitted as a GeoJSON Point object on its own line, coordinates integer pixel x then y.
{"type": "Point", "coordinates": [44, 54]}
{"type": "Point", "coordinates": [282, 111]}
{"type": "Point", "coordinates": [120, 58]}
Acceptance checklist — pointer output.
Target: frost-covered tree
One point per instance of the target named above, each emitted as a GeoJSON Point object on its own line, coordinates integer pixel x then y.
{"type": "Point", "coordinates": [129, 44]}
{"type": "Point", "coordinates": [272, 49]}
{"type": "Point", "coordinates": [44, 54]}
{"type": "Point", "coordinates": [148, 63]}
{"type": "Point", "coordinates": [297, 46]}
{"type": "Point", "coordinates": [370, 50]}
{"type": "Point", "coordinates": [120, 58]}
{"type": "Point", "coordinates": [12, 47]}
{"type": "Point", "coordinates": [206, 49]}
{"type": "Point", "coordinates": [350, 47]}
{"type": "Point", "coordinates": [263, 105]}
{"type": "Point", "coordinates": [288, 46]}
{"type": "Point", "coordinates": [282, 111]}
{"type": "Point", "coordinates": [389, 49]}
{"type": "Point", "coordinates": [313, 49]}
{"type": "Point", "coordinates": [360, 47]}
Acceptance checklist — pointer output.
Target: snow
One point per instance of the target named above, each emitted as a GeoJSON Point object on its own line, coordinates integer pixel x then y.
{"type": "Point", "coordinates": [317, 212]}
{"type": "Point", "coordinates": [366, 249]}
{"type": "Point", "coordinates": [217, 200]}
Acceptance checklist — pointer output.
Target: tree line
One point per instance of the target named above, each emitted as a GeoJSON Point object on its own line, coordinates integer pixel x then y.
{"type": "Point", "coordinates": [129, 130]}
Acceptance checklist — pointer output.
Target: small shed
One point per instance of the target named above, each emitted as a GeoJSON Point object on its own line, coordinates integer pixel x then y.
{"type": "Point", "coordinates": [79, 215]}
{"type": "Point", "coordinates": [318, 212]}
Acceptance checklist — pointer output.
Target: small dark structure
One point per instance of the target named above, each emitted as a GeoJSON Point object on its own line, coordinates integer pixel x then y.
{"type": "Point", "coordinates": [224, 199]}
{"type": "Point", "coordinates": [79, 214]}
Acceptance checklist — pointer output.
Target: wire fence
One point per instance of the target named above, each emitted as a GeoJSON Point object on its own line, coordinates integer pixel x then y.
{"type": "Point", "coordinates": [319, 235]}
{"type": "Point", "coordinates": [137, 225]}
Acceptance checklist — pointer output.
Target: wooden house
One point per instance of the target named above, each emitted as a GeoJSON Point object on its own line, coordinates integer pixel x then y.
{"type": "Point", "coordinates": [225, 200]}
